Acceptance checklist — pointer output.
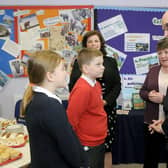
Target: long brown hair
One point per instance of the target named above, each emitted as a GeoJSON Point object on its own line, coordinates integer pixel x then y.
{"type": "Point", "coordinates": [39, 64]}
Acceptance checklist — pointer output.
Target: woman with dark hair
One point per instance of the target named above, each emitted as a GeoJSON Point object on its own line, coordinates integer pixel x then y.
{"type": "Point", "coordinates": [152, 92]}
{"type": "Point", "coordinates": [110, 82]}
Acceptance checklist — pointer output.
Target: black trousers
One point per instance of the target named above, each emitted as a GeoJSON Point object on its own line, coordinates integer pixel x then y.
{"type": "Point", "coordinates": [153, 143]}
{"type": "Point", "coordinates": [96, 156]}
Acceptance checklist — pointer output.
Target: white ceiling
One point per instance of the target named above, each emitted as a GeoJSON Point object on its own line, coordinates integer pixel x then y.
{"type": "Point", "coordinates": [123, 3]}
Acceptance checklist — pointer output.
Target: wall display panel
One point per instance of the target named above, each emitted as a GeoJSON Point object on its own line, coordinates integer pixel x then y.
{"type": "Point", "coordinates": [7, 31]}
{"type": "Point", "coordinates": [131, 36]}
{"type": "Point", "coordinates": [25, 29]}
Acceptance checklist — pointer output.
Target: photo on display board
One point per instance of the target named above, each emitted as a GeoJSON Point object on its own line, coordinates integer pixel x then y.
{"type": "Point", "coordinates": [4, 32]}
{"type": "Point", "coordinates": [3, 79]}
{"type": "Point", "coordinates": [28, 22]}
{"type": "Point", "coordinates": [16, 67]}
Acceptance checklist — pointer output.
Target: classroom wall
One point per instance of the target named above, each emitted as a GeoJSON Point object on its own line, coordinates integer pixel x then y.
{"type": "Point", "coordinates": [16, 86]}
{"type": "Point", "coordinates": [10, 94]}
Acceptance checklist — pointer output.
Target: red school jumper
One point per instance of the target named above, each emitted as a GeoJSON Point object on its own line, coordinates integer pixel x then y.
{"type": "Point", "coordinates": [86, 113]}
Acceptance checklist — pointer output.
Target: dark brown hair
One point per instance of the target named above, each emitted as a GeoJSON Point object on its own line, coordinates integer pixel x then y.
{"type": "Point", "coordinates": [162, 44]}
{"type": "Point", "coordinates": [92, 33]}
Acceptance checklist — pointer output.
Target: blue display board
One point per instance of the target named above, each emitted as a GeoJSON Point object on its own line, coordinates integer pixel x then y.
{"type": "Point", "coordinates": [131, 36]}
{"type": "Point", "coordinates": [137, 20]}
{"type": "Point", "coordinates": [6, 32]}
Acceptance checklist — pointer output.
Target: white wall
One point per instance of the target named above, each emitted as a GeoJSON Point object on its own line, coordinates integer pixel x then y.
{"type": "Point", "coordinates": [10, 94]}
{"type": "Point", "coordinates": [16, 86]}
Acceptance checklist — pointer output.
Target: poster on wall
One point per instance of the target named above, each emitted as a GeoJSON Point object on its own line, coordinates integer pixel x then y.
{"type": "Point", "coordinates": [131, 36]}
{"type": "Point", "coordinates": [59, 29]}
{"type": "Point", "coordinates": [26, 29]}
{"type": "Point", "coordinates": [3, 79]}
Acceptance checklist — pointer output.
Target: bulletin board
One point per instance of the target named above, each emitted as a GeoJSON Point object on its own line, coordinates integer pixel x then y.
{"type": "Point", "coordinates": [131, 36]}
{"type": "Point", "coordinates": [7, 31]}
{"type": "Point", "coordinates": [25, 29]}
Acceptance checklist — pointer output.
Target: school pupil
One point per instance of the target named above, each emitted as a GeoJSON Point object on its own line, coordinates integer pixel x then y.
{"type": "Point", "coordinates": [53, 143]}
{"type": "Point", "coordinates": [110, 83]}
{"type": "Point", "coordinates": [85, 107]}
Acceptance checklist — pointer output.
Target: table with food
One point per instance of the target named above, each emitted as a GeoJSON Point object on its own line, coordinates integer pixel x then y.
{"type": "Point", "coordinates": [14, 144]}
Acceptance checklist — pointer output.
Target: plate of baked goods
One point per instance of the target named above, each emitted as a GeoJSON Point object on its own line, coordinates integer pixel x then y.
{"type": "Point", "coordinates": [4, 123]}
{"type": "Point", "coordinates": [13, 139]}
{"type": "Point", "coordinates": [8, 155]}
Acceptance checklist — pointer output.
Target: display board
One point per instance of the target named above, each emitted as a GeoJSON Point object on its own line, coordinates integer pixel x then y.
{"type": "Point", "coordinates": [131, 36]}
{"type": "Point", "coordinates": [34, 28]}
{"type": "Point", "coordinates": [6, 32]}
{"type": "Point", "coordinates": [25, 29]}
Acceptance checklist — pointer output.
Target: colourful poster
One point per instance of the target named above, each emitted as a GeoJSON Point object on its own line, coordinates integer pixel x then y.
{"type": "Point", "coordinates": [25, 29]}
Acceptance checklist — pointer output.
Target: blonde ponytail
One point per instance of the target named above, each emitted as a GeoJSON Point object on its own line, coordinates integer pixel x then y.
{"type": "Point", "coordinates": [26, 99]}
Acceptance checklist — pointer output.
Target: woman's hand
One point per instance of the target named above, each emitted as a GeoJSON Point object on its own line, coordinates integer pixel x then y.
{"type": "Point", "coordinates": [155, 96]}
{"type": "Point", "coordinates": [156, 126]}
